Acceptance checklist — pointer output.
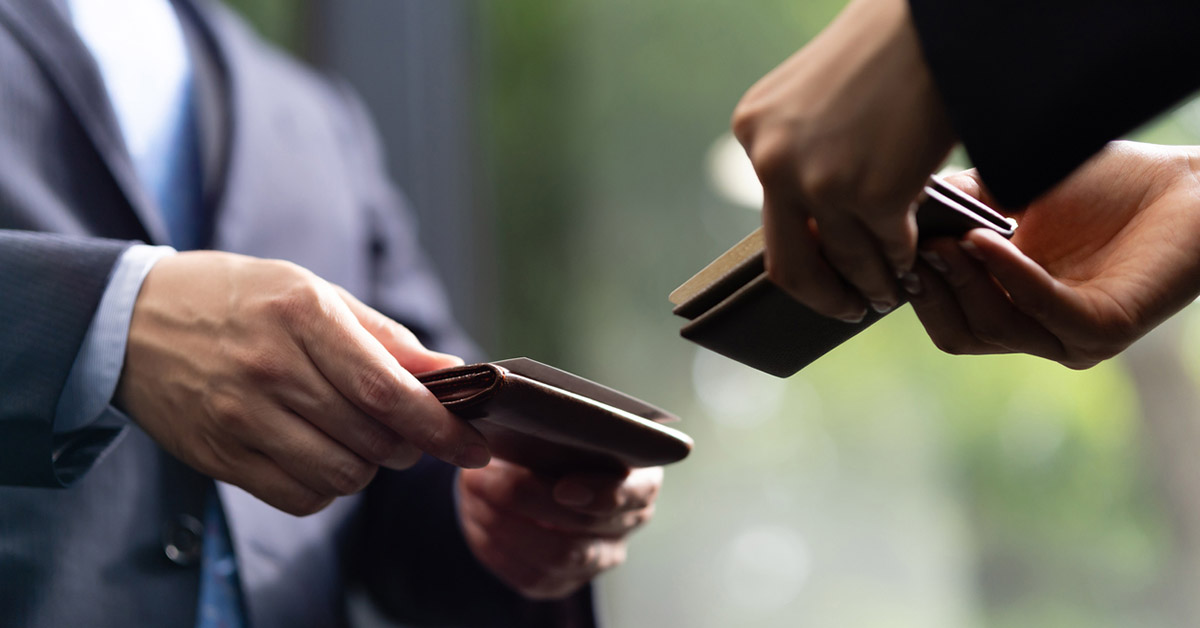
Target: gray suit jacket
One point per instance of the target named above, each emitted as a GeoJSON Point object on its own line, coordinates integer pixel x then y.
{"type": "Point", "coordinates": [292, 171]}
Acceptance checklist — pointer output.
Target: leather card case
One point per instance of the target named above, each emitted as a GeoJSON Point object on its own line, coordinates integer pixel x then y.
{"type": "Point", "coordinates": [735, 310]}
{"type": "Point", "coordinates": [553, 421]}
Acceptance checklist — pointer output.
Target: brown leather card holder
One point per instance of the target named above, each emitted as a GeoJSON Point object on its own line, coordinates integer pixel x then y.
{"type": "Point", "coordinates": [553, 421]}
{"type": "Point", "coordinates": [736, 311]}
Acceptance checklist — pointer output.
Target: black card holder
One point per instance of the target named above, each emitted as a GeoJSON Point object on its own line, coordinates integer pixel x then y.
{"type": "Point", "coordinates": [740, 314]}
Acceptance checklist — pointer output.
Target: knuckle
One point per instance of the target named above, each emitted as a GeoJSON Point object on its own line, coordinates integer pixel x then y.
{"type": "Point", "coordinates": [377, 390]}
{"type": "Point", "coordinates": [228, 412]}
{"type": "Point", "coordinates": [826, 182]}
{"type": "Point", "coordinates": [383, 445]}
{"type": "Point", "coordinates": [773, 158]}
{"type": "Point", "coordinates": [746, 117]}
{"type": "Point", "coordinates": [352, 476]}
{"type": "Point", "coordinates": [297, 304]}
{"type": "Point", "coordinates": [442, 439]}
{"type": "Point", "coordinates": [264, 365]}
{"type": "Point", "coordinates": [742, 122]}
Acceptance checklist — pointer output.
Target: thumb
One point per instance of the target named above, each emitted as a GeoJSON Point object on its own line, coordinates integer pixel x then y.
{"type": "Point", "coordinates": [398, 339]}
{"type": "Point", "coordinates": [1031, 288]}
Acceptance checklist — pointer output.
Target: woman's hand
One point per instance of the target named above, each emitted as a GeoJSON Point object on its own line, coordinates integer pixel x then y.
{"type": "Point", "coordinates": [843, 136]}
{"type": "Point", "coordinates": [1095, 263]}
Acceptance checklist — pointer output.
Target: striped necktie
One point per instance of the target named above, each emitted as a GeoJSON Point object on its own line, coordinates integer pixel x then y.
{"type": "Point", "coordinates": [140, 49]}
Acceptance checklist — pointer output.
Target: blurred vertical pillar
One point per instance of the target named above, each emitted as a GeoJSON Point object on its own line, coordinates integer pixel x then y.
{"type": "Point", "coordinates": [414, 63]}
{"type": "Point", "coordinates": [1170, 403]}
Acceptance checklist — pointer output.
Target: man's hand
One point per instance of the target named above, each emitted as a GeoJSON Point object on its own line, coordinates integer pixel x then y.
{"type": "Point", "coordinates": [1095, 263]}
{"type": "Point", "coordinates": [261, 374]}
{"type": "Point", "coordinates": [547, 538]}
{"type": "Point", "coordinates": [843, 135]}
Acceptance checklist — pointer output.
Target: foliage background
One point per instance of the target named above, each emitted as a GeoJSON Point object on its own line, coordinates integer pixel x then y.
{"type": "Point", "coordinates": [887, 484]}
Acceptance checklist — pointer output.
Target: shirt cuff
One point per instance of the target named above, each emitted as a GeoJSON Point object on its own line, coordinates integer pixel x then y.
{"type": "Point", "coordinates": [92, 382]}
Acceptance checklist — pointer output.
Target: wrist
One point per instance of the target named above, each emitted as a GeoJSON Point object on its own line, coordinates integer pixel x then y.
{"type": "Point", "coordinates": [92, 381]}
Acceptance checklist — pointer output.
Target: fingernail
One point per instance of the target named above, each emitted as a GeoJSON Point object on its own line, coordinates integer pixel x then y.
{"type": "Point", "coordinates": [474, 457]}
{"type": "Point", "coordinates": [573, 494]}
{"type": "Point", "coordinates": [971, 249]}
{"type": "Point", "coordinates": [911, 283]}
{"type": "Point", "coordinates": [935, 260]}
{"type": "Point", "coordinates": [881, 307]}
{"type": "Point", "coordinates": [857, 318]}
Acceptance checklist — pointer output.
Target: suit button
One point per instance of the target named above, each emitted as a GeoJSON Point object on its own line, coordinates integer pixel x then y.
{"type": "Point", "coordinates": [183, 540]}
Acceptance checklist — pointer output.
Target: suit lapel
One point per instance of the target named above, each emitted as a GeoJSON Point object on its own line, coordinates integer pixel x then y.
{"type": "Point", "coordinates": [47, 33]}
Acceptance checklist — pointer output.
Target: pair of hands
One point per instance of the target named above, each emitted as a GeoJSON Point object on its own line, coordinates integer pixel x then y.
{"type": "Point", "coordinates": [844, 134]}
{"type": "Point", "coordinates": [260, 374]}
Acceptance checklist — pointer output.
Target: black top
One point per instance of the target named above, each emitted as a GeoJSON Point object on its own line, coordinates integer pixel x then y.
{"type": "Point", "coordinates": [1035, 87]}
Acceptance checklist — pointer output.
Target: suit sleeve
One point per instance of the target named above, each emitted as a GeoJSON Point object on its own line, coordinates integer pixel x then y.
{"type": "Point", "coordinates": [51, 286]}
{"type": "Point", "coordinates": [411, 555]}
{"type": "Point", "coordinates": [1034, 88]}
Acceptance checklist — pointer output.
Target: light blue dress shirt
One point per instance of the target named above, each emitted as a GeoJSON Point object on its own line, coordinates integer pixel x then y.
{"type": "Point", "coordinates": [140, 49]}
{"type": "Point", "coordinates": [92, 381]}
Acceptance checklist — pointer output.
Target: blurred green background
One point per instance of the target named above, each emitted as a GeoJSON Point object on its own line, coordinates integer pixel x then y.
{"type": "Point", "coordinates": [885, 485]}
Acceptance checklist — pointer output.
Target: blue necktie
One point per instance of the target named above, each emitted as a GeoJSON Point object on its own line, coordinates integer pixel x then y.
{"type": "Point", "coordinates": [220, 603]}
{"type": "Point", "coordinates": [142, 55]}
